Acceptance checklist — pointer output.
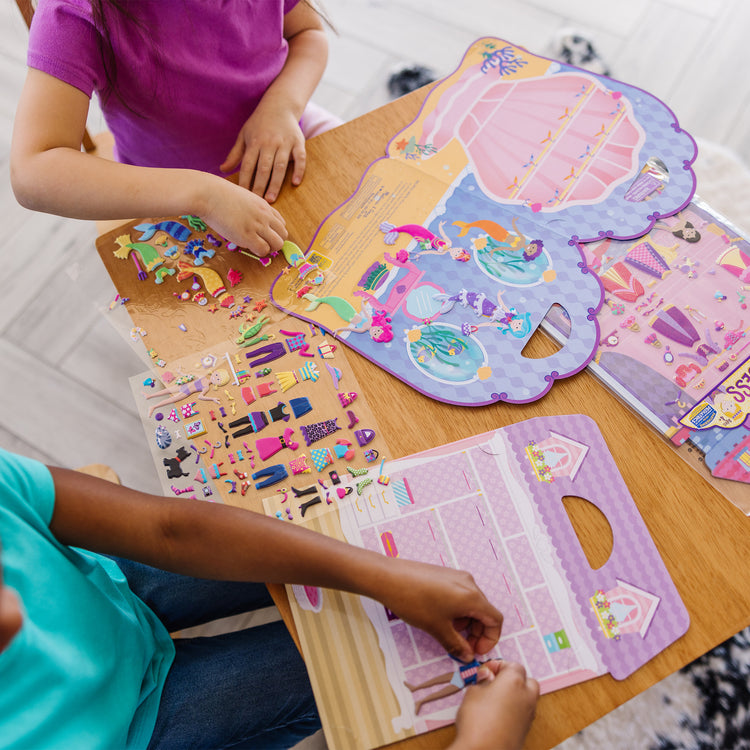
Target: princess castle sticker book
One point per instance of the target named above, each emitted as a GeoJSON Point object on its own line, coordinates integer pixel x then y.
{"type": "Point", "coordinates": [675, 338]}
{"type": "Point", "coordinates": [457, 244]}
{"type": "Point", "coordinates": [494, 505]}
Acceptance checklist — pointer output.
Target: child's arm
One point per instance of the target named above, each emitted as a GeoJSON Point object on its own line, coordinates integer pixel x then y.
{"type": "Point", "coordinates": [272, 137]}
{"type": "Point", "coordinates": [50, 173]}
{"type": "Point", "coordinates": [497, 712]}
{"type": "Point", "coordinates": [222, 542]}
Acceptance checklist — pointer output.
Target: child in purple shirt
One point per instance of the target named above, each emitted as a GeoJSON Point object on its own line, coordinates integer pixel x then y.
{"type": "Point", "coordinates": [192, 88]}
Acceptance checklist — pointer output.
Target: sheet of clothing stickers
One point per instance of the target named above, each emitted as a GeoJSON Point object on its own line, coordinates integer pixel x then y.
{"type": "Point", "coordinates": [491, 504]}
{"type": "Point", "coordinates": [675, 335]}
{"type": "Point", "coordinates": [457, 243]}
{"type": "Point", "coordinates": [224, 424]}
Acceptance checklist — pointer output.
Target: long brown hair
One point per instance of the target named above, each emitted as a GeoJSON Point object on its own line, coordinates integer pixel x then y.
{"type": "Point", "coordinates": [102, 19]}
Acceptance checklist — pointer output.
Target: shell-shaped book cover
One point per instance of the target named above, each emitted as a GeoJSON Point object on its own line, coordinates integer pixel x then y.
{"type": "Point", "coordinates": [459, 242]}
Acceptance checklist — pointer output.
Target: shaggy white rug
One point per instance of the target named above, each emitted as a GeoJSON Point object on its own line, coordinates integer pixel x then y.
{"type": "Point", "coordinates": [705, 706]}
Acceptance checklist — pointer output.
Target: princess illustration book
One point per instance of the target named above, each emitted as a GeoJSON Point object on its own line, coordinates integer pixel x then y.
{"type": "Point", "coordinates": [675, 341]}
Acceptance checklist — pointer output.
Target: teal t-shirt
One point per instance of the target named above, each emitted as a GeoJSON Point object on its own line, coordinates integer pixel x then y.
{"type": "Point", "coordinates": [87, 668]}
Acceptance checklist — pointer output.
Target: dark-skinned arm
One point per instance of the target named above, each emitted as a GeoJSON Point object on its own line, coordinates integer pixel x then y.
{"type": "Point", "coordinates": [196, 538]}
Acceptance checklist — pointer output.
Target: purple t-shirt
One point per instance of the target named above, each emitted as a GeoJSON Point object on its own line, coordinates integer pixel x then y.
{"type": "Point", "coordinates": [188, 78]}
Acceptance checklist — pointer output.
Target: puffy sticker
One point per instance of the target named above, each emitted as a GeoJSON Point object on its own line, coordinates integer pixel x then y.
{"type": "Point", "coordinates": [163, 438]}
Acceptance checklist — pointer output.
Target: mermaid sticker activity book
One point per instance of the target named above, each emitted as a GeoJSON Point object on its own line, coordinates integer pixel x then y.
{"type": "Point", "coordinates": [458, 243]}
{"type": "Point", "coordinates": [493, 504]}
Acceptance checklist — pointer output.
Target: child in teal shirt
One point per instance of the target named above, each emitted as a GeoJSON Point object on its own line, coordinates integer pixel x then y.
{"type": "Point", "coordinates": [100, 651]}
{"type": "Point", "coordinates": [86, 659]}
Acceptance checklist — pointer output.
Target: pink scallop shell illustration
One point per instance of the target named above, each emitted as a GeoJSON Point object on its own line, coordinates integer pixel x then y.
{"type": "Point", "coordinates": [546, 142]}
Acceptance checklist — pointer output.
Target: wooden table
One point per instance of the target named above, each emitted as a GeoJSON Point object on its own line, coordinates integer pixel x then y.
{"type": "Point", "coordinates": [702, 537]}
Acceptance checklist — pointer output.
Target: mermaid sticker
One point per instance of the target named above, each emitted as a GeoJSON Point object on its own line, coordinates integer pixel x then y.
{"type": "Point", "coordinates": [507, 257]}
{"type": "Point", "coordinates": [367, 320]}
{"type": "Point", "coordinates": [505, 319]}
{"type": "Point", "coordinates": [429, 242]}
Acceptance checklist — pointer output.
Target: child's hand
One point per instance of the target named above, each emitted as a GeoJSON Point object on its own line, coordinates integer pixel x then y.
{"type": "Point", "coordinates": [269, 139]}
{"type": "Point", "coordinates": [244, 218]}
{"type": "Point", "coordinates": [443, 602]}
{"type": "Point", "coordinates": [497, 712]}
{"type": "Point", "coordinates": [11, 617]}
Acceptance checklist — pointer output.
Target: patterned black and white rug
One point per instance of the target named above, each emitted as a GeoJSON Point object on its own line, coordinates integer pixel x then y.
{"type": "Point", "coordinates": [705, 706]}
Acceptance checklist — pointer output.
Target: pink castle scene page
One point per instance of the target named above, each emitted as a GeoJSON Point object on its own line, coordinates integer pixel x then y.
{"type": "Point", "coordinates": [461, 239]}
{"type": "Point", "coordinates": [675, 336]}
{"type": "Point", "coordinates": [491, 504]}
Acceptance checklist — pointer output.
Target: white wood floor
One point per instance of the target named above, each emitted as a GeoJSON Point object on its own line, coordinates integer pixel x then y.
{"type": "Point", "coordinates": [64, 396]}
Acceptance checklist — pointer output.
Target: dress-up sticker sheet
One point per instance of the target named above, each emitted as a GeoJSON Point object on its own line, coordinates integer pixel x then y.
{"type": "Point", "coordinates": [491, 504]}
{"type": "Point", "coordinates": [675, 334]}
{"type": "Point", "coordinates": [224, 424]}
{"type": "Point", "coordinates": [457, 244]}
